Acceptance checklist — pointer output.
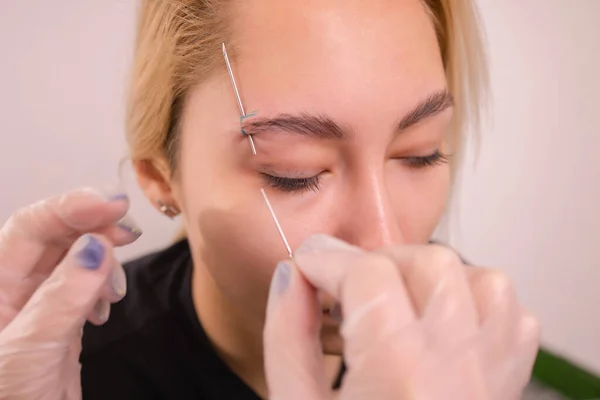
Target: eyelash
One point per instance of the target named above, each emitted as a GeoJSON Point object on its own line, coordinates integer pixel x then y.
{"type": "Point", "coordinates": [431, 160]}
{"type": "Point", "coordinates": [297, 185]}
{"type": "Point", "coordinates": [292, 184]}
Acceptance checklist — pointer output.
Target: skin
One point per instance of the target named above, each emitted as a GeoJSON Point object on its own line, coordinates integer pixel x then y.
{"type": "Point", "coordinates": [363, 65]}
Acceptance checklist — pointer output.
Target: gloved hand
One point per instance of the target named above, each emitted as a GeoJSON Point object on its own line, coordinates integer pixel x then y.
{"type": "Point", "coordinates": [417, 324]}
{"type": "Point", "coordinates": [56, 270]}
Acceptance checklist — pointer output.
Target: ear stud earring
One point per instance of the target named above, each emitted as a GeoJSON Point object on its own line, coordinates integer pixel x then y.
{"type": "Point", "coordinates": [167, 210]}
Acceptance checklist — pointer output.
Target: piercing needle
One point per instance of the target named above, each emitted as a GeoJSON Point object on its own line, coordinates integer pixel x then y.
{"type": "Point", "coordinates": [244, 115]}
{"type": "Point", "coordinates": [237, 94]}
{"type": "Point", "coordinates": [285, 242]}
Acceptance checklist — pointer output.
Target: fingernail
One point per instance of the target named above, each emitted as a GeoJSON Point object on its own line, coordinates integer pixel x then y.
{"type": "Point", "coordinates": [102, 310]}
{"type": "Point", "coordinates": [115, 194]}
{"type": "Point", "coordinates": [91, 253]}
{"type": "Point", "coordinates": [117, 197]}
{"type": "Point", "coordinates": [110, 194]}
{"type": "Point", "coordinates": [281, 278]}
{"type": "Point", "coordinates": [128, 224]}
{"type": "Point", "coordinates": [321, 242]}
{"type": "Point", "coordinates": [119, 281]}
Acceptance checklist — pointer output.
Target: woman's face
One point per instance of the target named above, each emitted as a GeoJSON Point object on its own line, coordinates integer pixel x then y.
{"type": "Point", "coordinates": [351, 118]}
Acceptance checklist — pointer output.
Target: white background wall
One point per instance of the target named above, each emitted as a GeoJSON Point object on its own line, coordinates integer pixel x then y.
{"type": "Point", "coordinates": [63, 71]}
{"type": "Point", "coordinates": [531, 205]}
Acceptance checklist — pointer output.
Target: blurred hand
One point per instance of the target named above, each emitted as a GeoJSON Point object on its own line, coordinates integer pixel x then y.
{"type": "Point", "coordinates": [57, 269]}
{"type": "Point", "coordinates": [417, 324]}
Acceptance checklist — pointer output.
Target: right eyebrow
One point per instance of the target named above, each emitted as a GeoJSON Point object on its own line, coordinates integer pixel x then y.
{"type": "Point", "coordinates": [314, 126]}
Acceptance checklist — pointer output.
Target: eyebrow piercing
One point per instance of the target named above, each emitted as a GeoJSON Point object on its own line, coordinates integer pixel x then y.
{"type": "Point", "coordinates": [244, 116]}
{"type": "Point", "coordinates": [237, 97]}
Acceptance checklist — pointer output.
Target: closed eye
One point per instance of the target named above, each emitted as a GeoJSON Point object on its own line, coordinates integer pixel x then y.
{"type": "Point", "coordinates": [431, 160]}
{"type": "Point", "coordinates": [298, 185]}
{"type": "Point", "coordinates": [291, 185]}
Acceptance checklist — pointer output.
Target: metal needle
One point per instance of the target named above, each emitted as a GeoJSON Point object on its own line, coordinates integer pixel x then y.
{"type": "Point", "coordinates": [237, 94]}
{"type": "Point", "coordinates": [244, 115]}
{"type": "Point", "coordinates": [285, 242]}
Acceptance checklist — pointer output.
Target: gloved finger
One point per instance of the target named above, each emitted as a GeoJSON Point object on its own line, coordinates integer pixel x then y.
{"type": "Point", "coordinates": [527, 347]}
{"type": "Point", "coordinates": [437, 283]}
{"type": "Point", "coordinates": [56, 312]}
{"type": "Point", "coordinates": [15, 291]}
{"type": "Point", "coordinates": [508, 377]}
{"type": "Point", "coordinates": [100, 312]}
{"type": "Point", "coordinates": [498, 309]}
{"type": "Point", "coordinates": [114, 290]}
{"type": "Point", "coordinates": [373, 298]}
{"type": "Point", "coordinates": [73, 389]}
{"type": "Point", "coordinates": [115, 286]}
{"type": "Point", "coordinates": [293, 358]}
{"type": "Point", "coordinates": [34, 239]}
{"type": "Point", "coordinates": [123, 232]}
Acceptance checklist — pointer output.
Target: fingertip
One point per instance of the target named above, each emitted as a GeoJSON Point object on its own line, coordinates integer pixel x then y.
{"type": "Point", "coordinates": [89, 252]}
{"type": "Point", "coordinates": [320, 242]}
{"type": "Point", "coordinates": [92, 254]}
{"type": "Point", "coordinates": [100, 313]}
{"type": "Point", "coordinates": [116, 285]}
{"type": "Point", "coordinates": [128, 224]}
{"type": "Point", "coordinates": [63, 301]}
{"type": "Point", "coordinates": [123, 232]}
{"type": "Point", "coordinates": [109, 194]}
{"type": "Point", "coordinates": [288, 290]}
{"type": "Point", "coordinates": [530, 327]}
{"type": "Point", "coordinates": [291, 336]}
{"type": "Point", "coordinates": [92, 196]}
{"type": "Point", "coordinates": [92, 265]}
{"type": "Point", "coordinates": [281, 278]}
{"type": "Point", "coordinates": [280, 281]}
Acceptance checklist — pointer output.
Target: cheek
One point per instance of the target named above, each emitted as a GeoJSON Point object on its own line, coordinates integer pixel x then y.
{"type": "Point", "coordinates": [238, 252]}
{"type": "Point", "coordinates": [419, 200]}
{"type": "Point", "coordinates": [240, 245]}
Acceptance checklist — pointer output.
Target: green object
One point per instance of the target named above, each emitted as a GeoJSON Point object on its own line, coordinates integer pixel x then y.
{"type": "Point", "coordinates": [565, 377]}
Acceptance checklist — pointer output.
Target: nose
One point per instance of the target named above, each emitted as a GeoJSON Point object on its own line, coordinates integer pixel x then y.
{"type": "Point", "coordinates": [367, 219]}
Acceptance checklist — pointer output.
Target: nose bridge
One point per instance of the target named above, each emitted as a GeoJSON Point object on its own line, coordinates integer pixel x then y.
{"type": "Point", "coordinates": [368, 219]}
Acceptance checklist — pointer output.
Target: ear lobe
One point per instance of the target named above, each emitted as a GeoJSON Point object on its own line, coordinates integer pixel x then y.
{"type": "Point", "coordinates": [154, 180]}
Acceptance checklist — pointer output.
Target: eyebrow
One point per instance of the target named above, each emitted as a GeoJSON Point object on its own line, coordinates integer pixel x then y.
{"type": "Point", "coordinates": [315, 126]}
{"type": "Point", "coordinates": [324, 127]}
{"type": "Point", "coordinates": [433, 105]}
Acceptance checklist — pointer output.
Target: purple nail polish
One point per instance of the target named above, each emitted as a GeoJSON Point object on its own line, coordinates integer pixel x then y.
{"type": "Point", "coordinates": [281, 277]}
{"type": "Point", "coordinates": [91, 254]}
{"type": "Point", "coordinates": [117, 197]}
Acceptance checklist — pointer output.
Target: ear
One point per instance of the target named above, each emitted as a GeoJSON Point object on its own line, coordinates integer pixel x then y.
{"type": "Point", "coordinates": [154, 179]}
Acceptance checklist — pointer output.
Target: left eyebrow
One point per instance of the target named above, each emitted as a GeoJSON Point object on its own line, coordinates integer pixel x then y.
{"type": "Point", "coordinates": [324, 127]}
{"type": "Point", "coordinates": [433, 105]}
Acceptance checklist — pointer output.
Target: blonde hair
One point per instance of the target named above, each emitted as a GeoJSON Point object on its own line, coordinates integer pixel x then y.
{"type": "Point", "coordinates": [178, 46]}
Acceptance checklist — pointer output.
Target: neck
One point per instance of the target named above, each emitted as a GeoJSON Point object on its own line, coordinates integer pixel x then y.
{"type": "Point", "coordinates": [236, 338]}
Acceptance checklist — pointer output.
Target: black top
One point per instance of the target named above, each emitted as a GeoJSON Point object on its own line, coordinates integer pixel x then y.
{"type": "Point", "coordinates": [153, 346]}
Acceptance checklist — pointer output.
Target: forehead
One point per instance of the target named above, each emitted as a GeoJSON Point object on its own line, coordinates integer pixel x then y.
{"type": "Point", "coordinates": [359, 54]}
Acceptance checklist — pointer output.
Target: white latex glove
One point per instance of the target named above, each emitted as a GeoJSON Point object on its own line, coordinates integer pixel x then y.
{"type": "Point", "coordinates": [417, 324]}
{"type": "Point", "coordinates": [56, 270]}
